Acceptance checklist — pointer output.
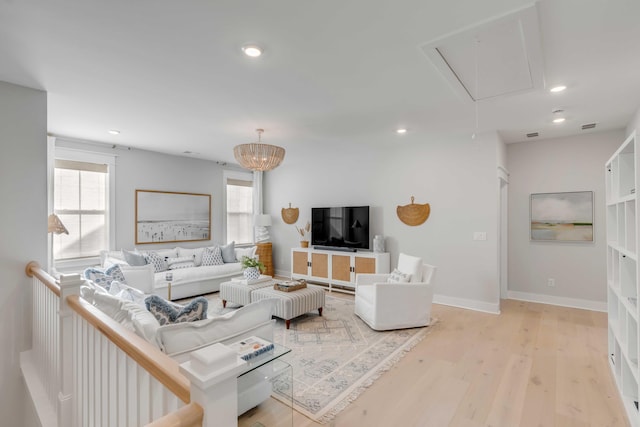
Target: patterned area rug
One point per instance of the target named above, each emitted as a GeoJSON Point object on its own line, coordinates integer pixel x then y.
{"type": "Point", "coordinates": [335, 357]}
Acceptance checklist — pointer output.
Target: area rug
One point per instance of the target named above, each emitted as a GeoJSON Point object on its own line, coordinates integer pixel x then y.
{"type": "Point", "coordinates": [334, 357]}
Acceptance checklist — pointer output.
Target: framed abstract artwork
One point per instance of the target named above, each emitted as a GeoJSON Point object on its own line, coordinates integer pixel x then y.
{"type": "Point", "coordinates": [164, 216]}
{"type": "Point", "coordinates": [562, 217]}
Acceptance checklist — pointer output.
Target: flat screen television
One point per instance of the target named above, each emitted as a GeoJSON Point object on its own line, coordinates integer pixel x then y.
{"type": "Point", "coordinates": [345, 228]}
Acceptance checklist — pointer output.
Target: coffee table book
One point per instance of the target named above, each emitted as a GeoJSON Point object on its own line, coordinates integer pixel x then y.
{"type": "Point", "coordinates": [251, 347]}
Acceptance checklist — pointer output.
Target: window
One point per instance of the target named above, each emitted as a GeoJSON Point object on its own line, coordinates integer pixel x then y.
{"type": "Point", "coordinates": [239, 190]}
{"type": "Point", "coordinates": [82, 198]}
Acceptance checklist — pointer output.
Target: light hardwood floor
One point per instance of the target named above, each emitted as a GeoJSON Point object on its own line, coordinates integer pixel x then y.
{"type": "Point", "coordinates": [532, 365]}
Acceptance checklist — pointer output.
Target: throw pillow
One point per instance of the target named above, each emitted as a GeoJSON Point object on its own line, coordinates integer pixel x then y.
{"type": "Point", "coordinates": [398, 276]}
{"type": "Point", "coordinates": [158, 262]}
{"type": "Point", "coordinates": [134, 258]}
{"type": "Point", "coordinates": [229, 252]}
{"type": "Point", "coordinates": [127, 293]}
{"type": "Point", "coordinates": [181, 262]}
{"type": "Point", "coordinates": [248, 252]}
{"type": "Point", "coordinates": [97, 276]}
{"type": "Point", "coordinates": [115, 272]}
{"type": "Point", "coordinates": [167, 312]}
{"type": "Point", "coordinates": [195, 253]}
{"type": "Point", "coordinates": [212, 256]}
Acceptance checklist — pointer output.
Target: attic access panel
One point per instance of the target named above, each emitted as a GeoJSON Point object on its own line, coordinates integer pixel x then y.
{"type": "Point", "coordinates": [498, 57]}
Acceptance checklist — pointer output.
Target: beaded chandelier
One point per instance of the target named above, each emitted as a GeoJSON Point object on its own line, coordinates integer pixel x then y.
{"type": "Point", "coordinates": [257, 156]}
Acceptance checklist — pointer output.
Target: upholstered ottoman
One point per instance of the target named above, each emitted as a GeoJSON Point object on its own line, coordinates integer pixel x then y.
{"type": "Point", "coordinates": [239, 293]}
{"type": "Point", "coordinates": [292, 304]}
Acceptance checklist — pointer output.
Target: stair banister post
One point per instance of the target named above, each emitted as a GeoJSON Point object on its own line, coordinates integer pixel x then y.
{"type": "Point", "coordinates": [69, 285]}
{"type": "Point", "coordinates": [213, 372]}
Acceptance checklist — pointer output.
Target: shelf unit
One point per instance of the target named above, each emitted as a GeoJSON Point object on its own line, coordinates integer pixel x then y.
{"type": "Point", "coordinates": [622, 177]}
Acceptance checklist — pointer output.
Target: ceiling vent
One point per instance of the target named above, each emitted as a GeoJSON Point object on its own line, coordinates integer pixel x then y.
{"type": "Point", "coordinates": [588, 126]}
{"type": "Point", "coordinates": [532, 134]}
{"type": "Point", "coordinates": [497, 57]}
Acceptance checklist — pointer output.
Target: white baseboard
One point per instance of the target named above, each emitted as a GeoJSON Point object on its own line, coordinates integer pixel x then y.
{"type": "Point", "coordinates": [487, 307]}
{"type": "Point", "coordinates": [561, 301]}
{"type": "Point", "coordinates": [46, 413]}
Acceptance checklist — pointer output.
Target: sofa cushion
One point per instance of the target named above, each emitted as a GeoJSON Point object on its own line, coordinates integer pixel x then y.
{"type": "Point", "coordinates": [186, 337]}
{"type": "Point", "coordinates": [180, 262]}
{"type": "Point", "coordinates": [195, 253]}
{"type": "Point", "coordinates": [166, 312]}
{"type": "Point", "coordinates": [229, 252]}
{"type": "Point", "coordinates": [127, 293]}
{"type": "Point", "coordinates": [212, 256]}
{"type": "Point", "coordinates": [140, 277]}
{"type": "Point", "coordinates": [410, 265]}
{"type": "Point", "coordinates": [196, 274]}
{"type": "Point", "coordinates": [141, 320]}
{"type": "Point", "coordinates": [159, 263]}
{"type": "Point", "coordinates": [134, 258]}
{"type": "Point", "coordinates": [167, 253]}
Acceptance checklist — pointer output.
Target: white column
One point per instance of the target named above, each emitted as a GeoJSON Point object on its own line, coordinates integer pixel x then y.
{"type": "Point", "coordinates": [213, 372]}
{"type": "Point", "coordinates": [69, 285]}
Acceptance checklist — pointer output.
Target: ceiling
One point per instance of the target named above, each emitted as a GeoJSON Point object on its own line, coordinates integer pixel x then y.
{"type": "Point", "coordinates": [171, 76]}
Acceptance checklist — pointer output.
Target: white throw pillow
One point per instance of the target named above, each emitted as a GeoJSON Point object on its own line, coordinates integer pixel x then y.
{"type": "Point", "coordinates": [411, 265]}
{"type": "Point", "coordinates": [398, 276]}
{"type": "Point", "coordinates": [249, 252]}
{"type": "Point", "coordinates": [180, 262]}
{"type": "Point", "coordinates": [195, 254]}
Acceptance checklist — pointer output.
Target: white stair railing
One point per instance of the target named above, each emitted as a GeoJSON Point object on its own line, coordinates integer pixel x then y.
{"type": "Point", "coordinates": [95, 372]}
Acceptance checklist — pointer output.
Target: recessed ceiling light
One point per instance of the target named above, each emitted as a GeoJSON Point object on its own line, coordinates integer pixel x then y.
{"type": "Point", "coordinates": [556, 89]}
{"type": "Point", "coordinates": [559, 120]}
{"type": "Point", "coordinates": [252, 50]}
{"type": "Point", "coordinates": [114, 132]}
{"type": "Point", "coordinates": [401, 131]}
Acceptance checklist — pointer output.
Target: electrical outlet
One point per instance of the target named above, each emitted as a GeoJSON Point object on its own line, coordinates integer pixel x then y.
{"type": "Point", "coordinates": [480, 235]}
{"type": "Point", "coordinates": [551, 283]}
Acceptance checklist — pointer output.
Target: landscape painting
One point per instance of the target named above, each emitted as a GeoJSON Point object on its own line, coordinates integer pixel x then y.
{"type": "Point", "coordinates": [564, 217]}
{"type": "Point", "coordinates": [163, 217]}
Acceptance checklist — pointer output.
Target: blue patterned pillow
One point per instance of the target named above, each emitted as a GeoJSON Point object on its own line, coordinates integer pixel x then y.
{"type": "Point", "coordinates": [116, 273]}
{"type": "Point", "coordinates": [167, 312]}
{"type": "Point", "coordinates": [98, 277]}
{"type": "Point", "coordinates": [212, 256]}
{"type": "Point", "coordinates": [104, 277]}
{"type": "Point", "coordinates": [159, 263]}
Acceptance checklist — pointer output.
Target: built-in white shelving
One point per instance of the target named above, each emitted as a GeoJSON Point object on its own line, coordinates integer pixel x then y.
{"type": "Point", "coordinates": [622, 177]}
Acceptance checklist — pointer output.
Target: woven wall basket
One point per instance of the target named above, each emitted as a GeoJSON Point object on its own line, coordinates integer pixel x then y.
{"type": "Point", "coordinates": [290, 215]}
{"type": "Point", "coordinates": [413, 213]}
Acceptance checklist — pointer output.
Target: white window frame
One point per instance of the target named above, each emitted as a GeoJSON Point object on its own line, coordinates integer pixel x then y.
{"type": "Point", "coordinates": [79, 155]}
{"type": "Point", "coordinates": [227, 175]}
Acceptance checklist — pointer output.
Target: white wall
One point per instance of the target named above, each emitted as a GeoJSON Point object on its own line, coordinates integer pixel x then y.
{"type": "Point", "coordinates": [147, 170]}
{"type": "Point", "coordinates": [23, 225]}
{"type": "Point", "coordinates": [634, 124]}
{"type": "Point", "coordinates": [456, 177]}
{"type": "Point", "coordinates": [579, 269]}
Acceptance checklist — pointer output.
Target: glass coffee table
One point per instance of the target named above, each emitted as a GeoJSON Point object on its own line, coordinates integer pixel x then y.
{"type": "Point", "coordinates": [256, 381]}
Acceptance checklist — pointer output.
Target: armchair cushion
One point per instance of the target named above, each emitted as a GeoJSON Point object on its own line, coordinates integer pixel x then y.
{"type": "Point", "coordinates": [411, 265]}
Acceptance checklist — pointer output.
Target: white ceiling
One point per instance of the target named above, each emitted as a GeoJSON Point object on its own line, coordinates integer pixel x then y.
{"type": "Point", "coordinates": [170, 74]}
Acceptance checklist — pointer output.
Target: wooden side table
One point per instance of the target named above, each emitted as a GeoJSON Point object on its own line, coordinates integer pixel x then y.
{"type": "Point", "coordinates": [264, 252]}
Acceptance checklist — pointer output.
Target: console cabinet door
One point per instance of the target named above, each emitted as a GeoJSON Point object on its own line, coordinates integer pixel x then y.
{"type": "Point", "coordinates": [320, 265]}
{"type": "Point", "coordinates": [341, 267]}
{"type": "Point", "coordinates": [365, 265]}
{"type": "Point", "coordinates": [300, 263]}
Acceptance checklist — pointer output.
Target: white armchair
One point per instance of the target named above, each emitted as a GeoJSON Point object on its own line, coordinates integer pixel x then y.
{"type": "Point", "coordinates": [384, 306]}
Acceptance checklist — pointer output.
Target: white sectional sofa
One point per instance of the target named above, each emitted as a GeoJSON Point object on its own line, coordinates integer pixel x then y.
{"type": "Point", "coordinates": [178, 340]}
{"type": "Point", "coordinates": [185, 282]}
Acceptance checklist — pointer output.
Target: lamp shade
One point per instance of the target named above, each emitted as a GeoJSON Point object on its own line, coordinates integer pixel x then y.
{"type": "Point", "coordinates": [55, 226]}
{"type": "Point", "coordinates": [257, 156]}
{"type": "Point", "coordinates": [262, 220]}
